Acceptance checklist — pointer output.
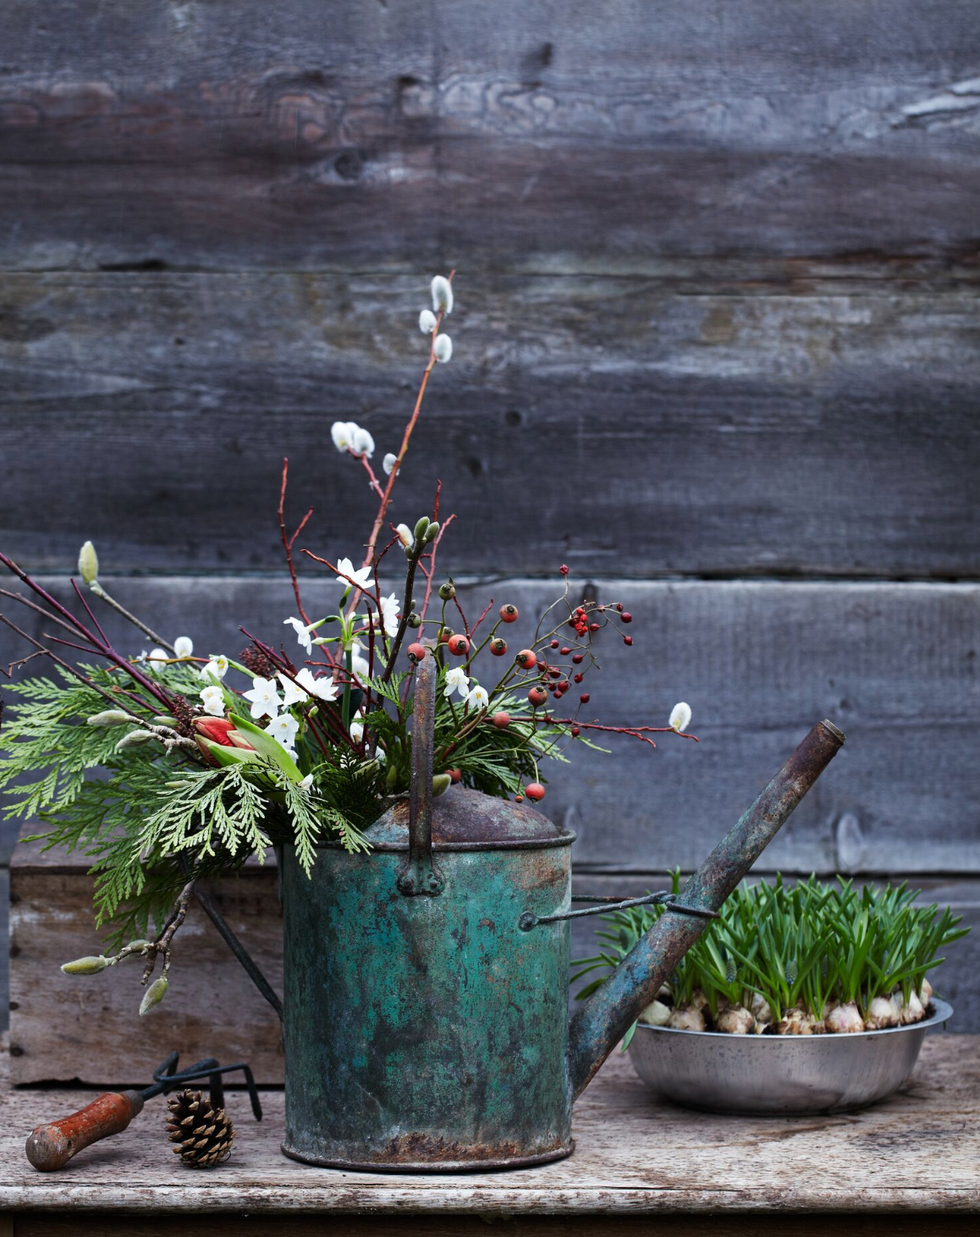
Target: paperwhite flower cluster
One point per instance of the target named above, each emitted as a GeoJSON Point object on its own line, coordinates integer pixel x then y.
{"type": "Point", "coordinates": [266, 702]}
{"type": "Point", "coordinates": [456, 680]}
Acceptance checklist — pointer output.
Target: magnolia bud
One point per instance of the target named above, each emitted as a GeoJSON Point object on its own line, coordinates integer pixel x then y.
{"type": "Point", "coordinates": [86, 966]}
{"type": "Point", "coordinates": [135, 738]}
{"type": "Point", "coordinates": [421, 527]}
{"type": "Point", "coordinates": [111, 717]}
{"type": "Point", "coordinates": [431, 533]}
{"type": "Point", "coordinates": [153, 995]}
{"type": "Point", "coordinates": [440, 784]}
{"type": "Point", "coordinates": [88, 563]}
{"type": "Point", "coordinates": [137, 945]}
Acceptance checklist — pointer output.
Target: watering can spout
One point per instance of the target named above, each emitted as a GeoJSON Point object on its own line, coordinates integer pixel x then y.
{"type": "Point", "coordinates": [610, 1011]}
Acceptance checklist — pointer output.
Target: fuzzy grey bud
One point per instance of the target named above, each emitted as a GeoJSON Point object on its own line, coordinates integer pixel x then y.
{"type": "Point", "coordinates": [135, 738]}
{"type": "Point", "coordinates": [88, 563]}
{"type": "Point", "coordinates": [111, 717]}
{"type": "Point", "coordinates": [153, 995]}
{"type": "Point", "coordinates": [86, 966]}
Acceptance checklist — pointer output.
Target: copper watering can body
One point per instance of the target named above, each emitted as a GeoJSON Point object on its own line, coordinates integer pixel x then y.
{"type": "Point", "coordinates": [426, 983]}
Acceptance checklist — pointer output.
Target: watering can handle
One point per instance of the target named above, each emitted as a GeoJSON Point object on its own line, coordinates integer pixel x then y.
{"type": "Point", "coordinates": [419, 875]}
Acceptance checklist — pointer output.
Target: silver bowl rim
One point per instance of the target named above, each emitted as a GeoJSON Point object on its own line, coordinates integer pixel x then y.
{"type": "Point", "coordinates": [942, 1009]}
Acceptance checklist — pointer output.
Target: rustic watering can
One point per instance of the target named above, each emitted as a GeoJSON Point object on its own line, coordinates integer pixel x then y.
{"type": "Point", "coordinates": [426, 983]}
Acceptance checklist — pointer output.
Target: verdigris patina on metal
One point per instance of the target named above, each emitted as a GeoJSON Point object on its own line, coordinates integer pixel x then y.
{"type": "Point", "coordinates": [426, 983]}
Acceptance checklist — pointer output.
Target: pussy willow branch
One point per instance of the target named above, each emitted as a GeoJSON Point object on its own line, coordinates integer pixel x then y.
{"type": "Point", "coordinates": [289, 542]}
{"type": "Point", "coordinates": [99, 591]}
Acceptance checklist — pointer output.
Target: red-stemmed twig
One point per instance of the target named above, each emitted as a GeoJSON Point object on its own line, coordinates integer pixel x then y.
{"type": "Point", "coordinates": [288, 542]}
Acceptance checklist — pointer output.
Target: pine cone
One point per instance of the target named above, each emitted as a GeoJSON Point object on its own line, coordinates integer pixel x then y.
{"type": "Point", "coordinates": [203, 1134]}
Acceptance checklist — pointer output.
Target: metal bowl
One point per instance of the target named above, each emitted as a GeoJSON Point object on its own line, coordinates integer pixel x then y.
{"type": "Point", "coordinates": [779, 1075]}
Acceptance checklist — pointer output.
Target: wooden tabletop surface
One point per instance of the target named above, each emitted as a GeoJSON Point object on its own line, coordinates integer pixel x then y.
{"type": "Point", "coordinates": [918, 1151]}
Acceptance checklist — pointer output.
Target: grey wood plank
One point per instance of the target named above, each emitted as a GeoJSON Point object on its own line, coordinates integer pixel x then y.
{"type": "Point", "coordinates": [893, 665]}
{"type": "Point", "coordinates": [636, 431]}
{"type": "Point", "coordinates": [296, 136]}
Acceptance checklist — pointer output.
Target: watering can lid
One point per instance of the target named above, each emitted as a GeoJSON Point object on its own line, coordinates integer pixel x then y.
{"type": "Point", "coordinates": [464, 819]}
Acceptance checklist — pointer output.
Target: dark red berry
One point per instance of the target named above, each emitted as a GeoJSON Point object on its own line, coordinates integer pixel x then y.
{"type": "Point", "coordinates": [584, 697]}
{"type": "Point", "coordinates": [563, 570]}
{"type": "Point", "coordinates": [627, 639]}
{"type": "Point", "coordinates": [619, 606]}
{"type": "Point", "coordinates": [593, 627]}
{"type": "Point", "coordinates": [579, 677]}
{"type": "Point", "coordinates": [555, 674]}
{"type": "Point", "coordinates": [563, 686]}
{"type": "Point", "coordinates": [508, 614]}
{"type": "Point", "coordinates": [626, 616]}
{"type": "Point", "coordinates": [576, 732]}
{"type": "Point", "coordinates": [498, 647]}
{"type": "Point", "coordinates": [554, 644]}
{"type": "Point", "coordinates": [565, 651]}
{"type": "Point", "coordinates": [578, 658]}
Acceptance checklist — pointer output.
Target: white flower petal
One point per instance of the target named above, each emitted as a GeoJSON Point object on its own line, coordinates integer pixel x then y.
{"type": "Point", "coordinates": [213, 699]}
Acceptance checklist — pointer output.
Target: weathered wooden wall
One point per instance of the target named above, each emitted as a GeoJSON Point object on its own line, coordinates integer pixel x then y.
{"type": "Point", "coordinates": [716, 347]}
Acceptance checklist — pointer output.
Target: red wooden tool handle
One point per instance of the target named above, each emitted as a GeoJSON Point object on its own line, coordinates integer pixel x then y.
{"type": "Point", "coordinates": [52, 1146]}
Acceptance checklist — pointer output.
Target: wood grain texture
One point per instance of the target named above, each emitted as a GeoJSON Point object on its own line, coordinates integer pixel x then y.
{"type": "Point", "coordinates": [636, 430]}
{"type": "Point", "coordinates": [916, 1151]}
{"type": "Point", "coordinates": [893, 665]}
{"type": "Point", "coordinates": [290, 137]}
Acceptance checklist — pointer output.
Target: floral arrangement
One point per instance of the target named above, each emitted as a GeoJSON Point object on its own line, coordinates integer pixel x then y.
{"type": "Point", "coordinates": [810, 959]}
{"type": "Point", "coordinates": [166, 767]}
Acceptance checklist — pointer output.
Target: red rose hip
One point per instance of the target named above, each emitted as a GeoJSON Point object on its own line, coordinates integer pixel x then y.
{"type": "Point", "coordinates": [416, 651]}
{"type": "Point", "coordinates": [537, 696]}
{"type": "Point", "coordinates": [535, 791]}
{"type": "Point", "coordinates": [527, 658]}
{"type": "Point", "coordinates": [508, 614]}
{"type": "Point", "coordinates": [501, 720]}
{"type": "Point", "coordinates": [459, 646]}
{"type": "Point", "coordinates": [498, 647]}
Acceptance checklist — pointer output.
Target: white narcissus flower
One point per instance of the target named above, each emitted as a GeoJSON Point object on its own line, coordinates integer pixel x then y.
{"type": "Point", "coordinates": [302, 632]}
{"type": "Point", "coordinates": [218, 666]}
{"type": "Point", "coordinates": [342, 433]}
{"type": "Point", "coordinates": [362, 443]}
{"type": "Point", "coordinates": [389, 462]}
{"type": "Point", "coordinates": [359, 664]}
{"type": "Point", "coordinates": [213, 699]}
{"type": "Point", "coordinates": [680, 716]}
{"type": "Point", "coordinates": [348, 574]}
{"type": "Point", "coordinates": [389, 614]}
{"type": "Point", "coordinates": [307, 782]}
{"type": "Point", "coordinates": [427, 322]}
{"type": "Point", "coordinates": [478, 698]}
{"type": "Point", "coordinates": [405, 536]}
{"type": "Point", "coordinates": [292, 693]}
{"type": "Point", "coordinates": [442, 295]}
{"type": "Point", "coordinates": [284, 728]}
{"type": "Point", "coordinates": [324, 688]}
{"type": "Point", "coordinates": [184, 646]}
{"type": "Point", "coordinates": [456, 681]}
{"type": "Point", "coordinates": [264, 698]}
{"type": "Point", "coordinates": [442, 348]}
{"type": "Point", "coordinates": [159, 656]}
{"type": "Point", "coordinates": [356, 727]}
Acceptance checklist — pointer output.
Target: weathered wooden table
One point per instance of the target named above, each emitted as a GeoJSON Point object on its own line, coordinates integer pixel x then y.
{"type": "Point", "coordinates": [910, 1165]}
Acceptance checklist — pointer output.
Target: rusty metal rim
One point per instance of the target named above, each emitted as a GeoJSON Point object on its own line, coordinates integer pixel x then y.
{"type": "Point", "coordinates": [509, 844]}
{"type": "Point", "coordinates": [433, 1166]}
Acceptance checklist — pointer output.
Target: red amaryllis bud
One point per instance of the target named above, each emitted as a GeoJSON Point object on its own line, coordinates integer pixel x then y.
{"type": "Point", "coordinates": [508, 614]}
{"type": "Point", "coordinates": [535, 791]}
{"type": "Point", "coordinates": [498, 647]}
{"type": "Point", "coordinates": [459, 646]}
{"type": "Point", "coordinates": [216, 729]}
{"type": "Point", "coordinates": [501, 720]}
{"type": "Point", "coordinates": [416, 651]}
{"type": "Point", "coordinates": [527, 658]}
